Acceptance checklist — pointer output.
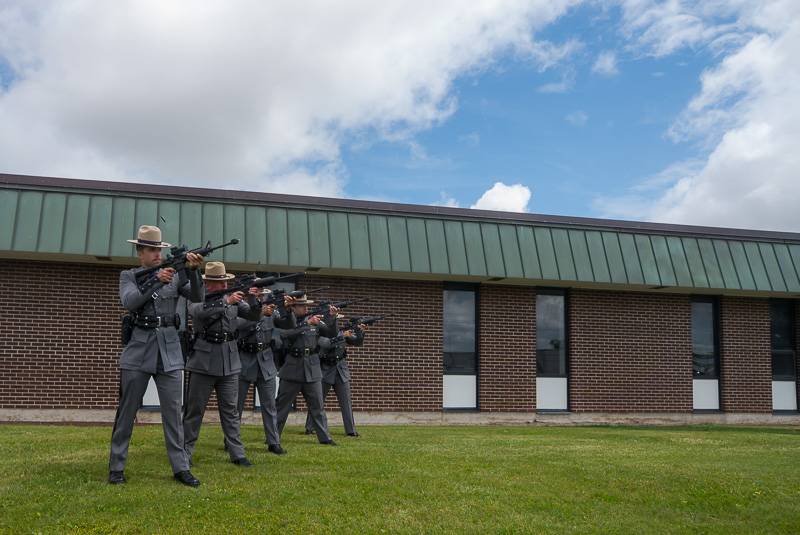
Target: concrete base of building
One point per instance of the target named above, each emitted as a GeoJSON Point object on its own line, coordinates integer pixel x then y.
{"type": "Point", "coordinates": [106, 416]}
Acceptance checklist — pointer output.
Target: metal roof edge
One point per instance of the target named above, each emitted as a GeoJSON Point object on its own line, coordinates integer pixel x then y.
{"type": "Point", "coordinates": [385, 208]}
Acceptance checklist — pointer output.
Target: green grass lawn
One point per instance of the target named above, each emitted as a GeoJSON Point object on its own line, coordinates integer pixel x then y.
{"type": "Point", "coordinates": [413, 480]}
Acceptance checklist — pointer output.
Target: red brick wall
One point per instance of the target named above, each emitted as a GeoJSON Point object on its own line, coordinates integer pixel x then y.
{"type": "Point", "coordinates": [746, 359]}
{"type": "Point", "coordinates": [507, 348]}
{"type": "Point", "coordinates": [629, 352]}
{"type": "Point", "coordinates": [399, 367]}
{"type": "Point", "coordinates": [58, 349]}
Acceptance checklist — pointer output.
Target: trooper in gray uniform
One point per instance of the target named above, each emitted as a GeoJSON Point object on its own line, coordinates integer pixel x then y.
{"type": "Point", "coordinates": [336, 373]}
{"type": "Point", "coordinates": [258, 367]}
{"type": "Point", "coordinates": [301, 372]}
{"type": "Point", "coordinates": [153, 351]}
{"type": "Point", "coordinates": [214, 363]}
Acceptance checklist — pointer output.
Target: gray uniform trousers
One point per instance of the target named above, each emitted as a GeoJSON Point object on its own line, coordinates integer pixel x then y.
{"type": "Point", "coordinates": [312, 393]}
{"type": "Point", "coordinates": [343, 396]}
{"type": "Point", "coordinates": [301, 372]}
{"type": "Point", "coordinates": [269, 412]}
{"type": "Point", "coordinates": [132, 388]}
{"type": "Point", "coordinates": [214, 366]}
{"type": "Point", "coordinates": [152, 353]}
{"type": "Point", "coordinates": [227, 389]}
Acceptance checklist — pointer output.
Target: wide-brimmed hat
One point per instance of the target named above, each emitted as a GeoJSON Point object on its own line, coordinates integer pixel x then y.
{"type": "Point", "coordinates": [150, 236]}
{"type": "Point", "coordinates": [215, 271]}
{"type": "Point", "coordinates": [302, 301]}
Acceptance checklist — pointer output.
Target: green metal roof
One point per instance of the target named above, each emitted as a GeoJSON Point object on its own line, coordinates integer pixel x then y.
{"type": "Point", "coordinates": [93, 219]}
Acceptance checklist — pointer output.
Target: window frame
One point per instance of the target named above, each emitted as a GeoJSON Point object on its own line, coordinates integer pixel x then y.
{"type": "Point", "coordinates": [715, 304]}
{"type": "Point", "coordinates": [562, 292]}
{"type": "Point", "coordinates": [793, 336]}
{"type": "Point", "coordinates": [463, 287]}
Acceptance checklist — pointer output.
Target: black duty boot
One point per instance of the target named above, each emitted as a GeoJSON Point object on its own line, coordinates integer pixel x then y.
{"type": "Point", "coordinates": [116, 478]}
{"type": "Point", "coordinates": [186, 478]}
{"type": "Point", "coordinates": [276, 449]}
{"type": "Point", "coordinates": [242, 461]}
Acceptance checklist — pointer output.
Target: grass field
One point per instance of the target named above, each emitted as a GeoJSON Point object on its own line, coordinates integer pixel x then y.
{"type": "Point", "coordinates": [413, 480]}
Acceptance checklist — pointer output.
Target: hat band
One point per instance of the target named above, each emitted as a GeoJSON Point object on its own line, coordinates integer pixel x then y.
{"type": "Point", "coordinates": [149, 242]}
{"type": "Point", "coordinates": [223, 276]}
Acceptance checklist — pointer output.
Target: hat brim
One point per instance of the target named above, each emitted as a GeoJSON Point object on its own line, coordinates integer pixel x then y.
{"type": "Point", "coordinates": [161, 245]}
{"type": "Point", "coordinates": [301, 303]}
{"type": "Point", "coordinates": [226, 277]}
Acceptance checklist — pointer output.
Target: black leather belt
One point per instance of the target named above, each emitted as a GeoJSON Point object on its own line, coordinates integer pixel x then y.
{"type": "Point", "coordinates": [252, 347]}
{"type": "Point", "coordinates": [154, 322]}
{"type": "Point", "coordinates": [218, 337]}
{"type": "Point", "coordinates": [300, 353]}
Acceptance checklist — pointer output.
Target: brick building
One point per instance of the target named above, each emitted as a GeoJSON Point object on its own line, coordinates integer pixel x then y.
{"type": "Point", "coordinates": [495, 317]}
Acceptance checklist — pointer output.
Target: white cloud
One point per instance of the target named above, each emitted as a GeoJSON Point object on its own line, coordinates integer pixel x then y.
{"type": "Point", "coordinates": [606, 64]}
{"type": "Point", "coordinates": [473, 139]}
{"type": "Point", "coordinates": [246, 94]}
{"type": "Point", "coordinates": [577, 118]}
{"type": "Point", "coordinates": [565, 84]}
{"type": "Point", "coordinates": [446, 200]}
{"type": "Point", "coordinates": [512, 198]}
{"type": "Point", "coordinates": [746, 113]}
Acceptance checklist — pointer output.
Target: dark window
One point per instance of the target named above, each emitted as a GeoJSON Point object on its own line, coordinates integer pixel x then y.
{"type": "Point", "coordinates": [551, 335]}
{"type": "Point", "coordinates": [459, 332]}
{"type": "Point", "coordinates": [705, 342]}
{"type": "Point", "coordinates": [783, 344]}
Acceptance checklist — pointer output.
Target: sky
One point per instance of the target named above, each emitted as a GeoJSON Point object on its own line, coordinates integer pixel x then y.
{"type": "Point", "coordinates": [671, 111]}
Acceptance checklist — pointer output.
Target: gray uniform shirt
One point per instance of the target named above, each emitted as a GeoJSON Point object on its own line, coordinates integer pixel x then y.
{"type": "Point", "coordinates": [257, 331]}
{"type": "Point", "coordinates": [303, 339]}
{"type": "Point", "coordinates": [211, 358]}
{"type": "Point", "coordinates": [340, 368]}
{"type": "Point", "coordinates": [155, 298]}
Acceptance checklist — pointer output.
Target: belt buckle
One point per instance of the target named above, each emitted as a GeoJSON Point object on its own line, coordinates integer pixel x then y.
{"type": "Point", "coordinates": [306, 352]}
{"type": "Point", "coordinates": [158, 322]}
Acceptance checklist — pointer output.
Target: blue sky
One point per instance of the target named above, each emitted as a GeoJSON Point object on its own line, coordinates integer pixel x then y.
{"type": "Point", "coordinates": [505, 129]}
{"type": "Point", "coordinates": [679, 111]}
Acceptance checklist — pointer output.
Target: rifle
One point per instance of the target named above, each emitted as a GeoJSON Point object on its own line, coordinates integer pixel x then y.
{"type": "Point", "coordinates": [322, 307]}
{"type": "Point", "coordinates": [364, 320]}
{"type": "Point", "coordinates": [338, 342]}
{"type": "Point", "coordinates": [177, 258]}
{"type": "Point", "coordinates": [277, 296]}
{"type": "Point", "coordinates": [246, 282]}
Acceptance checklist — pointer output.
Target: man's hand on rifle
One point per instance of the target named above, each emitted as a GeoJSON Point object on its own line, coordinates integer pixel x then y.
{"type": "Point", "coordinates": [332, 311]}
{"type": "Point", "coordinates": [267, 310]}
{"type": "Point", "coordinates": [362, 326]}
{"type": "Point", "coordinates": [315, 320]}
{"type": "Point", "coordinates": [254, 291]}
{"type": "Point", "coordinates": [234, 298]}
{"type": "Point", "coordinates": [194, 260]}
{"type": "Point", "coordinates": [165, 275]}
{"type": "Point", "coordinates": [288, 300]}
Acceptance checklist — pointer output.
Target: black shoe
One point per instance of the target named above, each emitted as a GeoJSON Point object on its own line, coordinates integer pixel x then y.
{"type": "Point", "coordinates": [309, 432]}
{"type": "Point", "coordinates": [186, 478]}
{"type": "Point", "coordinates": [117, 478]}
{"type": "Point", "coordinates": [353, 434]}
{"type": "Point", "coordinates": [276, 449]}
{"type": "Point", "coordinates": [328, 442]}
{"type": "Point", "coordinates": [242, 461]}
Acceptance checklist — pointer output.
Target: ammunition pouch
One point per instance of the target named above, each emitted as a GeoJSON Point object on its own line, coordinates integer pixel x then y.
{"type": "Point", "coordinates": [300, 352]}
{"type": "Point", "coordinates": [218, 337]}
{"type": "Point", "coordinates": [154, 322]}
{"type": "Point", "coordinates": [252, 347]}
